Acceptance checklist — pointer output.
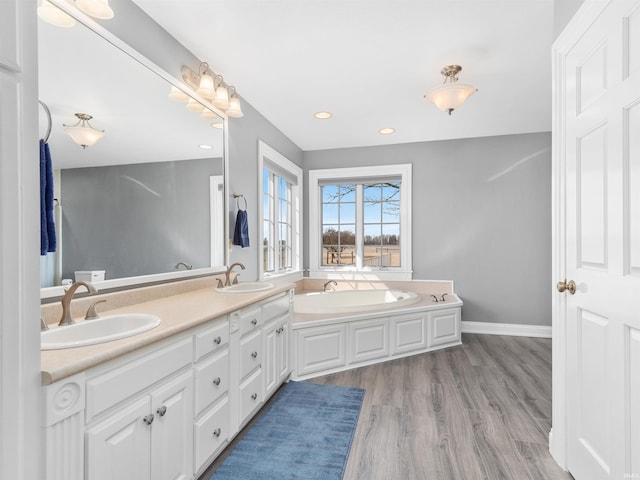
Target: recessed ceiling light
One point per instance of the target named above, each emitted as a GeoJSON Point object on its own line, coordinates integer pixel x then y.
{"type": "Point", "coordinates": [204, 146]}
{"type": "Point", "coordinates": [386, 131]}
{"type": "Point", "coordinates": [323, 115]}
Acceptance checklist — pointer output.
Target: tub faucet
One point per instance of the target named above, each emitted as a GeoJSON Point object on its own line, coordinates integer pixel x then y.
{"type": "Point", "coordinates": [324, 287]}
{"type": "Point", "coordinates": [66, 301]}
{"type": "Point", "coordinates": [227, 280]}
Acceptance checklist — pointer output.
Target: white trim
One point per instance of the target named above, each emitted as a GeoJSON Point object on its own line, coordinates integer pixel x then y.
{"type": "Point", "coordinates": [276, 158]}
{"type": "Point", "coordinates": [390, 273]}
{"type": "Point", "coordinates": [511, 329]}
{"type": "Point", "coordinates": [217, 216]}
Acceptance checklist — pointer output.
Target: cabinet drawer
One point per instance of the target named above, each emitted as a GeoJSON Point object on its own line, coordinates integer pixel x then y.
{"type": "Point", "coordinates": [248, 319]}
{"type": "Point", "coordinates": [106, 390]}
{"type": "Point", "coordinates": [211, 433]}
{"type": "Point", "coordinates": [250, 395]}
{"type": "Point", "coordinates": [212, 379]}
{"type": "Point", "coordinates": [250, 353]}
{"type": "Point", "coordinates": [211, 339]}
{"type": "Point", "coordinates": [276, 308]}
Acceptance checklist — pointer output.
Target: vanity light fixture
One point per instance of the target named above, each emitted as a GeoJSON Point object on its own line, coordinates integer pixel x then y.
{"type": "Point", "coordinates": [82, 132]}
{"type": "Point", "coordinates": [194, 106]}
{"type": "Point", "coordinates": [386, 131]}
{"type": "Point", "coordinates": [178, 95]}
{"type": "Point", "coordinates": [323, 115]}
{"type": "Point", "coordinates": [211, 86]}
{"type": "Point", "coordinates": [449, 96]}
{"type": "Point", "coordinates": [51, 14]}
{"type": "Point", "coordinates": [96, 8]}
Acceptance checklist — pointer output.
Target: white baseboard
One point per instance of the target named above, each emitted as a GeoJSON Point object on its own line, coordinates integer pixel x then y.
{"type": "Point", "coordinates": [507, 329]}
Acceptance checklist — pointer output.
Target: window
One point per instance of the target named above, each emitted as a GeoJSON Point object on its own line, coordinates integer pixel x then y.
{"type": "Point", "coordinates": [280, 206]}
{"type": "Point", "coordinates": [360, 221]}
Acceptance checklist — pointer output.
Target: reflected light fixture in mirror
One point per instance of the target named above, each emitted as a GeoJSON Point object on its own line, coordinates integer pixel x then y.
{"type": "Point", "coordinates": [54, 16]}
{"type": "Point", "coordinates": [96, 8]}
{"type": "Point", "coordinates": [451, 95]}
{"type": "Point", "coordinates": [82, 132]}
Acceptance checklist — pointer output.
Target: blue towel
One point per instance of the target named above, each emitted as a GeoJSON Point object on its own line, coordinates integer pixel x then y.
{"type": "Point", "coordinates": [47, 222]}
{"type": "Point", "coordinates": [241, 232]}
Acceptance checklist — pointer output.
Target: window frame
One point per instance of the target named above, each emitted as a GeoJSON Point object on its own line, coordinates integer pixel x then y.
{"type": "Point", "coordinates": [370, 174]}
{"type": "Point", "coordinates": [267, 156]}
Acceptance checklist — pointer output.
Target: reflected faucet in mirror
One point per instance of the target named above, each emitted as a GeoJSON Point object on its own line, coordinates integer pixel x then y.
{"type": "Point", "coordinates": [66, 301]}
{"type": "Point", "coordinates": [182, 264]}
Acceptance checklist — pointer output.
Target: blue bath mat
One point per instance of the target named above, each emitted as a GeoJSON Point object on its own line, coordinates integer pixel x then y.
{"type": "Point", "coordinates": [305, 433]}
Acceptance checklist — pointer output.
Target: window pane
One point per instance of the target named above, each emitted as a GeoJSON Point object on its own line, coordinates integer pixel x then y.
{"type": "Point", "coordinates": [330, 213]}
{"type": "Point", "coordinates": [330, 193]}
{"type": "Point", "coordinates": [347, 213]}
{"type": "Point", "coordinates": [372, 192]}
{"type": "Point", "coordinates": [347, 193]}
{"type": "Point", "coordinates": [391, 212]}
{"type": "Point", "coordinates": [391, 191]}
{"type": "Point", "coordinates": [372, 213]}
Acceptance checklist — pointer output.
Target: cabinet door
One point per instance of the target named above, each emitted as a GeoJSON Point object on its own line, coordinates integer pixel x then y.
{"type": "Point", "coordinates": [120, 446]}
{"type": "Point", "coordinates": [443, 327]}
{"type": "Point", "coordinates": [283, 351]}
{"type": "Point", "coordinates": [369, 340]}
{"type": "Point", "coordinates": [211, 433]}
{"type": "Point", "coordinates": [270, 363]}
{"type": "Point", "coordinates": [172, 430]}
{"type": "Point", "coordinates": [321, 348]}
{"type": "Point", "coordinates": [211, 380]}
{"type": "Point", "coordinates": [408, 333]}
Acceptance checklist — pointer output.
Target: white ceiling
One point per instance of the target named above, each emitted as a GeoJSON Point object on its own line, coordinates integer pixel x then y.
{"type": "Point", "coordinates": [370, 62]}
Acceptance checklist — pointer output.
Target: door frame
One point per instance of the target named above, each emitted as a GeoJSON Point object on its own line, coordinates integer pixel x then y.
{"type": "Point", "coordinates": [584, 17]}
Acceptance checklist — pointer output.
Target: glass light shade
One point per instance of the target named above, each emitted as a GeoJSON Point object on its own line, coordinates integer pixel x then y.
{"type": "Point", "coordinates": [206, 88]}
{"type": "Point", "coordinates": [194, 106]}
{"type": "Point", "coordinates": [84, 136]}
{"type": "Point", "coordinates": [178, 95]}
{"type": "Point", "coordinates": [96, 8]}
{"type": "Point", "coordinates": [221, 99]}
{"type": "Point", "coordinates": [234, 109]}
{"type": "Point", "coordinates": [208, 114]}
{"type": "Point", "coordinates": [54, 16]}
{"type": "Point", "coordinates": [450, 96]}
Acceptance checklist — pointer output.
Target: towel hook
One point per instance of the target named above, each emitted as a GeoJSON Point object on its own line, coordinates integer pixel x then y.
{"type": "Point", "coordinates": [237, 196]}
{"type": "Point", "coordinates": [46, 110]}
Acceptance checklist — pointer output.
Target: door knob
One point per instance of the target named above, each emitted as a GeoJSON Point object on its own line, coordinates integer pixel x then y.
{"type": "Point", "coordinates": [569, 286]}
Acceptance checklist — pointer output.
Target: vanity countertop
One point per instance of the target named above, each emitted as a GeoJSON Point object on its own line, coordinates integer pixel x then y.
{"type": "Point", "coordinates": [177, 312]}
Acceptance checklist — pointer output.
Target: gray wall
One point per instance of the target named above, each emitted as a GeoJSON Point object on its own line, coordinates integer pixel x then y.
{"type": "Point", "coordinates": [481, 217]}
{"type": "Point", "coordinates": [563, 10]}
{"type": "Point", "coordinates": [244, 176]}
{"type": "Point", "coordinates": [136, 219]}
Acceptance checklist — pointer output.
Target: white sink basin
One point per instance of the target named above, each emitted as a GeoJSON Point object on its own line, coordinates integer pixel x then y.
{"type": "Point", "coordinates": [246, 287]}
{"type": "Point", "coordinates": [103, 329]}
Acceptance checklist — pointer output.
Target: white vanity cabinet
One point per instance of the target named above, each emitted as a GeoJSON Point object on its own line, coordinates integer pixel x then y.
{"type": "Point", "coordinates": [167, 410]}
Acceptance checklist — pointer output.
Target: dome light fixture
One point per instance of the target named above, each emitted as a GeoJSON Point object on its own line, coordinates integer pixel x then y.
{"type": "Point", "coordinates": [451, 95]}
{"type": "Point", "coordinates": [82, 132]}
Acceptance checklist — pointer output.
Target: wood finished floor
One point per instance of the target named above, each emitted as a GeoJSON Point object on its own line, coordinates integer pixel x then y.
{"type": "Point", "coordinates": [478, 411]}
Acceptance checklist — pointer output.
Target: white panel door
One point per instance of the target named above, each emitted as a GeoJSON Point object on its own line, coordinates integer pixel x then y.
{"type": "Point", "coordinates": [600, 322]}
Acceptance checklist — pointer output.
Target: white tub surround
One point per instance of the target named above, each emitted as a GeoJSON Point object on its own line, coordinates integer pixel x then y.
{"type": "Point", "coordinates": [330, 342]}
{"type": "Point", "coordinates": [165, 403]}
{"type": "Point", "coordinates": [352, 301]}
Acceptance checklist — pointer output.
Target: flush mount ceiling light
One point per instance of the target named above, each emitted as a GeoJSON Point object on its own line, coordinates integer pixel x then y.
{"type": "Point", "coordinates": [82, 132]}
{"type": "Point", "coordinates": [323, 115]}
{"type": "Point", "coordinates": [211, 87]}
{"type": "Point", "coordinates": [386, 131]}
{"type": "Point", "coordinates": [451, 95]}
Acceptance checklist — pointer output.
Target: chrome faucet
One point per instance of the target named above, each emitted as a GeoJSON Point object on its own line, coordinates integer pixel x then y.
{"type": "Point", "coordinates": [227, 280]}
{"type": "Point", "coordinates": [324, 287]}
{"type": "Point", "coordinates": [66, 301]}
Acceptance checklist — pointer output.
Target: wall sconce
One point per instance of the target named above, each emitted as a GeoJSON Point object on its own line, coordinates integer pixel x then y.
{"type": "Point", "coordinates": [209, 86]}
{"type": "Point", "coordinates": [82, 132]}
{"type": "Point", "coordinates": [451, 95]}
{"type": "Point", "coordinates": [53, 15]}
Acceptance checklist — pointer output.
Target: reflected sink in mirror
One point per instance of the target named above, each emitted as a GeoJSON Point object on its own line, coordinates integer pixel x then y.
{"type": "Point", "coordinates": [103, 329]}
{"type": "Point", "coordinates": [247, 287]}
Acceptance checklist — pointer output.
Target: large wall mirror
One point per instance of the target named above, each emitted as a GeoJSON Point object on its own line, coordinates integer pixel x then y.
{"type": "Point", "coordinates": [146, 201]}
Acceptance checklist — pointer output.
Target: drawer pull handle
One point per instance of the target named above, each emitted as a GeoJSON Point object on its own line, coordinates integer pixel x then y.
{"type": "Point", "coordinates": [216, 381]}
{"type": "Point", "coordinates": [217, 432]}
{"type": "Point", "coordinates": [148, 419]}
{"type": "Point", "coordinates": [254, 322]}
{"type": "Point", "coordinates": [217, 340]}
{"type": "Point", "coordinates": [254, 354]}
{"type": "Point", "coordinates": [254, 396]}
{"type": "Point", "coordinates": [162, 410]}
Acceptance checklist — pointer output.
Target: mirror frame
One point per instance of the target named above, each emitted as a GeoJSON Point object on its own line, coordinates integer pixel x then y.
{"type": "Point", "coordinates": [138, 281]}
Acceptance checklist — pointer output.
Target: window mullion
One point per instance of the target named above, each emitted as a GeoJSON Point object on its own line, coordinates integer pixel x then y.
{"type": "Point", "coordinates": [359, 226]}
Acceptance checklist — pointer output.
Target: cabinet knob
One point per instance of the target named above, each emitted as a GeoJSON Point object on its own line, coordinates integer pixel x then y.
{"type": "Point", "coordinates": [217, 340]}
{"type": "Point", "coordinates": [254, 396]}
{"type": "Point", "coordinates": [217, 432]}
{"type": "Point", "coordinates": [162, 410]}
{"type": "Point", "coordinates": [148, 419]}
{"type": "Point", "coordinates": [216, 381]}
{"type": "Point", "coordinates": [254, 354]}
{"type": "Point", "coordinates": [254, 322]}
